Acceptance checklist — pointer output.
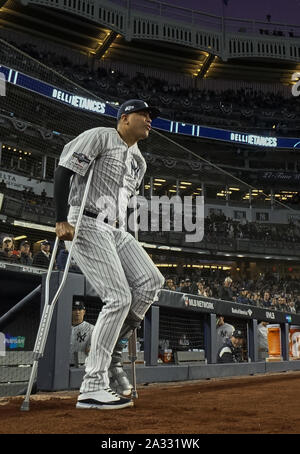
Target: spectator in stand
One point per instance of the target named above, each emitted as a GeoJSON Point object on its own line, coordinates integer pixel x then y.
{"type": "Point", "coordinates": [7, 251]}
{"type": "Point", "coordinates": [243, 296]}
{"type": "Point", "coordinates": [189, 287]}
{"type": "Point", "coordinates": [274, 303]}
{"type": "Point", "coordinates": [225, 292]}
{"type": "Point", "coordinates": [180, 286]}
{"type": "Point", "coordinates": [266, 301]}
{"type": "Point", "coordinates": [282, 302]}
{"type": "Point", "coordinates": [291, 306]}
{"type": "Point", "coordinates": [200, 286]}
{"type": "Point", "coordinates": [255, 300]}
{"type": "Point", "coordinates": [42, 258]}
{"type": "Point", "coordinates": [169, 285]}
{"type": "Point", "coordinates": [25, 256]}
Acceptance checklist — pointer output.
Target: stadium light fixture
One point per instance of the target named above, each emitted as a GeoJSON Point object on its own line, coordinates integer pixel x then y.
{"type": "Point", "coordinates": [31, 225]}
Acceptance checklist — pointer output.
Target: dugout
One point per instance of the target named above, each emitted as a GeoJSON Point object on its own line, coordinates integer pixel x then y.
{"type": "Point", "coordinates": [168, 318]}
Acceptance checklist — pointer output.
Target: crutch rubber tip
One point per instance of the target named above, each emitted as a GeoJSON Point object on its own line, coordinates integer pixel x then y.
{"type": "Point", "coordinates": [25, 406]}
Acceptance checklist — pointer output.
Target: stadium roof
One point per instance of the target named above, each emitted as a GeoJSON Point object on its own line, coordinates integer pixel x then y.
{"type": "Point", "coordinates": [91, 38]}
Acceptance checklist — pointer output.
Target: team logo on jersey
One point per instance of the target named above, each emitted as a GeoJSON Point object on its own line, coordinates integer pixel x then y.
{"type": "Point", "coordinates": [135, 169]}
{"type": "Point", "coordinates": [81, 337]}
{"type": "Point", "coordinates": [81, 158]}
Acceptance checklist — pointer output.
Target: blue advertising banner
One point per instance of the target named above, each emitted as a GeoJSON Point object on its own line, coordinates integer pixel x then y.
{"type": "Point", "coordinates": [104, 108]}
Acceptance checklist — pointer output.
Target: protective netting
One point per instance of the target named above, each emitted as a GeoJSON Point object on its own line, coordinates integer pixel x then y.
{"type": "Point", "coordinates": [180, 331]}
{"type": "Point", "coordinates": [183, 331]}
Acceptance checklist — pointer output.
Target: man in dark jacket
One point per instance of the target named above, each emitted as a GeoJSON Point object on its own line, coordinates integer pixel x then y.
{"type": "Point", "coordinates": [225, 292]}
{"type": "Point", "coordinates": [231, 350]}
{"type": "Point", "coordinates": [42, 258]}
{"type": "Point", "coordinates": [25, 254]}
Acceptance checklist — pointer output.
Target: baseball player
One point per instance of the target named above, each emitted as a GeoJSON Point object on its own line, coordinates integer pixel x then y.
{"type": "Point", "coordinates": [262, 340]}
{"type": "Point", "coordinates": [231, 352]}
{"type": "Point", "coordinates": [224, 331]}
{"type": "Point", "coordinates": [113, 261]}
{"type": "Point", "coordinates": [81, 331]}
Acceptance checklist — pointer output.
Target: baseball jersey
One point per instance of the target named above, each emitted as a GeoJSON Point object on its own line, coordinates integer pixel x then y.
{"type": "Point", "coordinates": [80, 339]}
{"type": "Point", "coordinates": [296, 345]}
{"type": "Point", "coordinates": [228, 354]}
{"type": "Point", "coordinates": [118, 171]}
{"type": "Point", "coordinates": [262, 337]}
{"type": "Point", "coordinates": [224, 332]}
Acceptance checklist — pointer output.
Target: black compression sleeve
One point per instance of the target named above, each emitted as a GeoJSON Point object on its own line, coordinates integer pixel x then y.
{"type": "Point", "coordinates": [61, 192]}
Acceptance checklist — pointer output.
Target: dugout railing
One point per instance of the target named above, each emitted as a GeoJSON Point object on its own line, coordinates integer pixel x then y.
{"type": "Point", "coordinates": [171, 315]}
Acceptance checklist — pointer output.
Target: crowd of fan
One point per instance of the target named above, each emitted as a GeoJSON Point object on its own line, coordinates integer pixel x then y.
{"type": "Point", "coordinates": [23, 255]}
{"type": "Point", "coordinates": [218, 226]}
{"type": "Point", "coordinates": [266, 292]}
{"type": "Point", "coordinates": [245, 106]}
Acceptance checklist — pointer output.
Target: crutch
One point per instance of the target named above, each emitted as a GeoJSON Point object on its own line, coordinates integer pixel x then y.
{"type": "Point", "coordinates": [46, 318]}
{"type": "Point", "coordinates": [132, 353]}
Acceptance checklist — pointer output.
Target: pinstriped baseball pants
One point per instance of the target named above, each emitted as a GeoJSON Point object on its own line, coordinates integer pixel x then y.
{"type": "Point", "coordinates": [124, 277]}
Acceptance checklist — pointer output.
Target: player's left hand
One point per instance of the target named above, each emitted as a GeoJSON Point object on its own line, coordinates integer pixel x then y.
{"type": "Point", "coordinates": [64, 231]}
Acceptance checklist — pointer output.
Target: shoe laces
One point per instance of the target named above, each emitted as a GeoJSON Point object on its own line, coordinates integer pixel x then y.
{"type": "Point", "coordinates": [109, 390]}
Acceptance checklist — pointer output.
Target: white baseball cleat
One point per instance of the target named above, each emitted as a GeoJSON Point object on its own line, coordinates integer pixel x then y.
{"type": "Point", "coordinates": [105, 399]}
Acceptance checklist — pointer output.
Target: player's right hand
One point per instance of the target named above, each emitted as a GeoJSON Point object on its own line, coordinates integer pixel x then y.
{"type": "Point", "coordinates": [64, 231]}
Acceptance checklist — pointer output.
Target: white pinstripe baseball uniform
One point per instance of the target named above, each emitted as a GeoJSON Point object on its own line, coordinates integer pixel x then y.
{"type": "Point", "coordinates": [115, 264]}
{"type": "Point", "coordinates": [80, 339]}
{"type": "Point", "coordinates": [223, 332]}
